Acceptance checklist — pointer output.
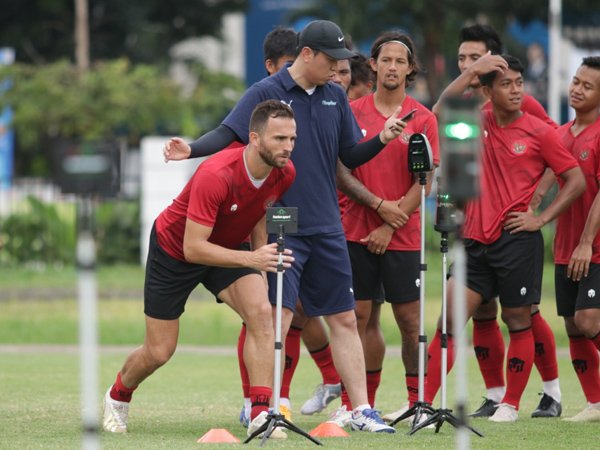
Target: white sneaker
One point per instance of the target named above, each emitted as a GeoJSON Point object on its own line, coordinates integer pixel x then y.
{"type": "Point", "coordinates": [323, 395]}
{"type": "Point", "coordinates": [116, 414]}
{"type": "Point", "coordinates": [341, 417]}
{"type": "Point", "coordinates": [505, 413]}
{"type": "Point", "coordinates": [422, 418]}
{"type": "Point", "coordinates": [259, 421]}
{"type": "Point", "coordinates": [389, 418]}
{"type": "Point", "coordinates": [369, 420]}
{"type": "Point", "coordinates": [590, 414]}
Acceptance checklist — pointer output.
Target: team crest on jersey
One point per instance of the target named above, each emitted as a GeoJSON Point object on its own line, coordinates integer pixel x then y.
{"type": "Point", "coordinates": [519, 148]}
{"type": "Point", "coordinates": [233, 208]}
{"type": "Point", "coordinates": [405, 137]}
{"type": "Point", "coordinates": [584, 154]}
{"type": "Point", "coordinates": [270, 202]}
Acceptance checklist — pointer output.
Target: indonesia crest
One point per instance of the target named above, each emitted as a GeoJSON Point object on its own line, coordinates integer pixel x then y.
{"type": "Point", "coordinates": [519, 148]}
{"type": "Point", "coordinates": [584, 155]}
{"type": "Point", "coordinates": [405, 137]}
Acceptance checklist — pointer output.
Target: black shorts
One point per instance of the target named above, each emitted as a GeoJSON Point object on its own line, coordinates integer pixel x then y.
{"type": "Point", "coordinates": [169, 281]}
{"type": "Point", "coordinates": [397, 272]}
{"type": "Point", "coordinates": [572, 295]}
{"type": "Point", "coordinates": [510, 268]}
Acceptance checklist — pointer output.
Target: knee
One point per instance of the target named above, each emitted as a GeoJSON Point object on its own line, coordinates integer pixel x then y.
{"type": "Point", "coordinates": [586, 323]}
{"type": "Point", "coordinates": [259, 316]}
{"type": "Point", "coordinates": [516, 318]}
{"type": "Point", "coordinates": [159, 355]}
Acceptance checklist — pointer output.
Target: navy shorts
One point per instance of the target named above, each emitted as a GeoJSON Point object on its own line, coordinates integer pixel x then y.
{"type": "Point", "coordinates": [511, 268]}
{"type": "Point", "coordinates": [320, 275]}
{"type": "Point", "coordinates": [396, 271]}
{"type": "Point", "coordinates": [169, 281]}
{"type": "Point", "coordinates": [572, 295]}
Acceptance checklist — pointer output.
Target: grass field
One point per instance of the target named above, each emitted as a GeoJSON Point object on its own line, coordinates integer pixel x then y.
{"type": "Point", "coordinates": [199, 389]}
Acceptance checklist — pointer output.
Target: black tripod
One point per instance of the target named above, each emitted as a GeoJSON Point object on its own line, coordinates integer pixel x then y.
{"type": "Point", "coordinates": [420, 407]}
{"type": "Point", "coordinates": [444, 414]}
{"type": "Point", "coordinates": [275, 418]}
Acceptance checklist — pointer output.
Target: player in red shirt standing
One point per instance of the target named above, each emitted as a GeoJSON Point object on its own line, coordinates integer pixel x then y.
{"type": "Point", "coordinates": [577, 242]}
{"type": "Point", "coordinates": [382, 220]}
{"type": "Point", "coordinates": [196, 240]}
{"type": "Point", "coordinates": [479, 53]}
{"type": "Point", "coordinates": [502, 239]}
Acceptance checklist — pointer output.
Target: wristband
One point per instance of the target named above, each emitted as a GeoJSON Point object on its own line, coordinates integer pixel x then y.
{"type": "Point", "coordinates": [378, 206]}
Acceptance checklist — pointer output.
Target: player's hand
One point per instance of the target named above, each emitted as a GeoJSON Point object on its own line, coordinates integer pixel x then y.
{"type": "Point", "coordinates": [266, 258]}
{"type": "Point", "coordinates": [489, 63]}
{"type": "Point", "coordinates": [378, 240]}
{"type": "Point", "coordinates": [391, 213]}
{"type": "Point", "coordinates": [579, 264]}
{"type": "Point", "coordinates": [176, 149]}
{"type": "Point", "coordinates": [393, 127]}
{"type": "Point", "coordinates": [522, 221]}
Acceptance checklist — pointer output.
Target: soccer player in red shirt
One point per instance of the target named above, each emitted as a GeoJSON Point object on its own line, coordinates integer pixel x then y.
{"type": "Point", "coordinates": [478, 54]}
{"type": "Point", "coordinates": [502, 239]}
{"type": "Point", "coordinates": [382, 220]}
{"type": "Point", "coordinates": [196, 240]}
{"type": "Point", "coordinates": [577, 242]}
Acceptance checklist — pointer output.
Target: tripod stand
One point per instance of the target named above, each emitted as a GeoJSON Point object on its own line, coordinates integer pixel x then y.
{"type": "Point", "coordinates": [275, 418]}
{"type": "Point", "coordinates": [420, 407]}
{"type": "Point", "coordinates": [444, 414]}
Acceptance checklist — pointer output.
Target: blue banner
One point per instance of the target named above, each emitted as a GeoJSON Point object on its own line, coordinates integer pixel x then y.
{"type": "Point", "coordinates": [7, 139]}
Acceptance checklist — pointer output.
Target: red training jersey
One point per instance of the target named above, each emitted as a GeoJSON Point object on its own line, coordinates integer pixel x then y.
{"type": "Point", "coordinates": [387, 174]}
{"type": "Point", "coordinates": [513, 160]}
{"type": "Point", "coordinates": [585, 148]}
{"type": "Point", "coordinates": [220, 195]}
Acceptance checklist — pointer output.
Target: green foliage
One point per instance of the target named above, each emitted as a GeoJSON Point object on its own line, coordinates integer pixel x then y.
{"type": "Point", "coordinates": [141, 30]}
{"type": "Point", "coordinates": [114, 98]}
{"type": "Point", "coordinates": [118, 232]}
{"type": "Point", "coordinates": [37, 236]}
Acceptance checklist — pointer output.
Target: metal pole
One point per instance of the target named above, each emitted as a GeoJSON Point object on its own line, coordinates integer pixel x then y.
{"type": "Point", "coordinates": [88, 332]}
{"type": "Point", "coordinates": [460, 340]}
{"type": "Point", "coordinates": [554, 78]}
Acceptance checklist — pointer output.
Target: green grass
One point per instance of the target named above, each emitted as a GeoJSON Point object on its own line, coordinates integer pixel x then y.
{"type": "Point", "coordinates": [30, 312]}
{"type": "Point", "coordinates": [195, 392]}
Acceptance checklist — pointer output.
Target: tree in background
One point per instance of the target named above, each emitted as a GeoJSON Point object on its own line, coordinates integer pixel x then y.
{"type": "Point", "coordinates": [42, 31]}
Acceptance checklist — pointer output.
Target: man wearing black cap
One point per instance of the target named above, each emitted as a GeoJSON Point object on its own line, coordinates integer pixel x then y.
{"type": "Point", "coordinates": [321, 276]}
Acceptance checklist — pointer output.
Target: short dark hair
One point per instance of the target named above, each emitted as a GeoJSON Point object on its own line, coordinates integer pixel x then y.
{"type": "Point", "coordinates": [280, 42]}
{"type": "Point", "coordinates": [361, 70]}
{"type": "Point", "coordinates": [591, 61]}
{"type": "Point", "coordinates": [388, 36]}
{"type": "Point", "coordinates": [482, 33]}
{"type": "Point", "coordinates": [513, 64]}
{"type": "Point", "coordinates": [266, 110]}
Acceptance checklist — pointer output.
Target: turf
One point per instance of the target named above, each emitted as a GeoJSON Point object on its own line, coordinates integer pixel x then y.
{"type": "Point", "coordinates": [197, 391]}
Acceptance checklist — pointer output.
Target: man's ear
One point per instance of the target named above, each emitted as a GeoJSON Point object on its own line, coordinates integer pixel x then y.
{"type": "Point", "coordinates": [253, 138]}
{"type": "Point", "coordinates": [270, 66]}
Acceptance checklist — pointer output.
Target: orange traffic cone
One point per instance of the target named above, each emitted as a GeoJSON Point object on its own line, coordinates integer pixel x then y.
{"type": "Point", "coordinates": [328, 429]}
{"type": "Point", "coordinates": [216, 435]}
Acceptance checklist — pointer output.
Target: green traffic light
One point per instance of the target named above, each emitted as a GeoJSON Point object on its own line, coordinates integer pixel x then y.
{"type": "Point", "coordinates": [461, 130]}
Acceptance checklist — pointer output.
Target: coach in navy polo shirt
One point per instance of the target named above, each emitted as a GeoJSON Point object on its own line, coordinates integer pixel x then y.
{"type": "Point", "coordinates": [326, 129]}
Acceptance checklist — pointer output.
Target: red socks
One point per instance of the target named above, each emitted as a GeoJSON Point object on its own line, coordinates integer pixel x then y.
{"type": "Point", "coordinates": [488, 344]}
{"type": "Point", "coordinates": [434, 364]}
{"type": "Point", "coordinates": [346, 398]}
{"type": "Point", "coordinates": [585, 359]}
{"type": "Point", "coordinates": [119, 392]}
{"type": "Point", "coordinates": [292, 355]}
{"type": "Point", "coordinates": [260, 396]}
{"type": "Point", "coordinates": [243, 371]}
{"type": "Point", "coordinates": [596, 341]}
{"type": "Point", "coordinates": [412, 386]}
{"type": "Point", "coordinates": [324, 362]}
{"type": "Point", "coordinates": [545, 348]}
{"type": "Point", "coordinates": [519, 362]}
{"type": "Point", "coordinates": [373, 380]}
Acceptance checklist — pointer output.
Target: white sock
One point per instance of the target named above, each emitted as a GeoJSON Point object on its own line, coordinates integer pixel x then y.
{"type": "Point", "coordinates": [594, 405]}
{"type": "Point", "coordinates": [552, 388]}
{"type": "Point", "coordinates": [247, 406]}
{"type": "Point", "coordinates": [496, 393]}
{"type": "Point", "coordinates": [285, 402]}
{"type": "Point", "coordinates": [360, 409]}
